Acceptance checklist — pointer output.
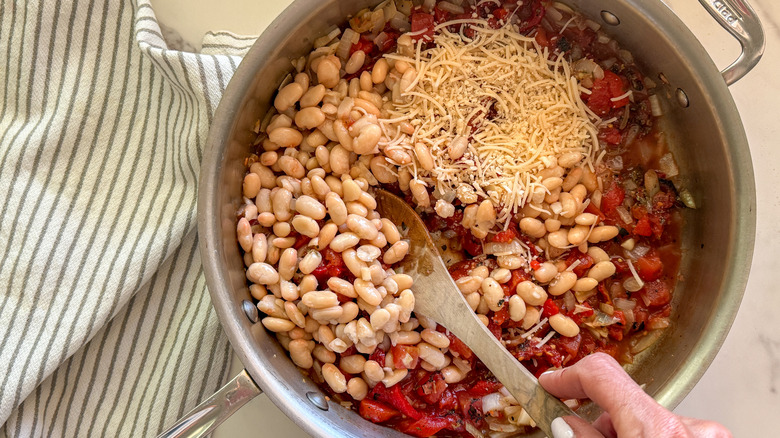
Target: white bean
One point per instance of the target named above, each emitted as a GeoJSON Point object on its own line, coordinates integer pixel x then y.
{"type": "Point", "coordinates": [334, 378]}
{"type": "Point", "coordinates": [564, 325]}
{"type": "Point", "coordinates": [262, 273]}
{"type": "Point", "coordinates": [531, 293]}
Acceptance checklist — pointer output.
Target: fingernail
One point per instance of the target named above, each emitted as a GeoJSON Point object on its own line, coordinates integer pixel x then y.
{"type": "Point", "coordinates": [547, 372]}
{"type": "Point", "coordinates": [561, 429]}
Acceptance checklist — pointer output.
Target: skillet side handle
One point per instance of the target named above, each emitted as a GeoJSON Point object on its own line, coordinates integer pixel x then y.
{"type": "Point", "coordinates": [212, 412]}
{"type": "Point", "coordinates": [741, 21]}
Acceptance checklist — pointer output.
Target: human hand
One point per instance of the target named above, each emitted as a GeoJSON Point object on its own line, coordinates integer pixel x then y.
{"type": "Point", "coordinates": [628, 410]}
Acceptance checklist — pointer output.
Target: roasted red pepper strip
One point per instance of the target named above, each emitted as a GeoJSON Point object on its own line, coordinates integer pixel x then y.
{"type": "Point", "coordinates": [376, 412]}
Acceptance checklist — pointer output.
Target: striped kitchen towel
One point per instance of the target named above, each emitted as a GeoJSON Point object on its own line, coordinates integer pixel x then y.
{"type": "Point", "coordinates": [106, 326]}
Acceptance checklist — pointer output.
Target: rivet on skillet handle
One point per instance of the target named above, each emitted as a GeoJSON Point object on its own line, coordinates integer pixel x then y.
{"type": "Point", "coordinates": [250, 310]}
{"type": "Point", "coordinates": [741, 21]}
{"type": "Point", "coordinates": [211, 413]}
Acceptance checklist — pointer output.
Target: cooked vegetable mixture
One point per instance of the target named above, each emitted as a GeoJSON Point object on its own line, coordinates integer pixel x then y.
{"type": "Point", "coordinates": [526, 138]}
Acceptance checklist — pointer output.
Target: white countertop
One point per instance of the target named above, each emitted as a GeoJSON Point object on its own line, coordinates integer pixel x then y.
{"type": "Point", "coordinates": [741, 389]}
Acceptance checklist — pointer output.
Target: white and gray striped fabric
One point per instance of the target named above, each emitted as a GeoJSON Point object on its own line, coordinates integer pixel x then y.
{"type": "Point", "coordinates": [106, 326]}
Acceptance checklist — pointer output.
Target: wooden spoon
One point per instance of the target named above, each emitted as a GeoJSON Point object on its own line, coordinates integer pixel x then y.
{"type": "Point", "coordinates": [437, 297]}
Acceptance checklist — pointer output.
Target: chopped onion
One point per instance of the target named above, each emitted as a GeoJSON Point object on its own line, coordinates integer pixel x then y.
{"type": "Point", "coordinates": [400, 22]}
{"type": "Point", "coordinates": [644, 342]}
{"type": "Point", "coordinates": [652, 186]}
{"type": "Point", "coordinates": [607, 308]}
{"type": "Point", "coordinates": [348, 38]}
{"type": "Point", "coordinates": [655, 105]}
{"type": "Point", "coordinates": [633, 131]}
{"type": "Point", "coordinates": [659, 323]}
{"type": "Point", "coordinates": [325, 40]}
{"type": "Point", "coordinates": [492, 403]}
{"type": "Point", "coordinates": [452, 8]}
{"type": "Point", "coordinates": [377, 21]}
{"type": "Point", "coordinates": [500, 426]}
{"type": "Point", "coordinates": [380, 39]}
{"type": "Point", "coordinates": [603, 319]}
{"type": "Point", "coordinates": [473, 430]}
{"type": "Point", "coordinates": [569, 302]}
{"type": "Point", "coordinates": [554, 14]}
{"type": "Point", "coordinates": [687, 198]}
{"type": "Point", "coordinates": [586, 65]}
{"type": "Point", "coordinates": [637, 252]}
{"type": "Point", "coordinates": [668, 166]}
{"type": "Point", "coordinates": [592, 24]}
{"type": "Point", "coordinates": [626, 56]}
{"type": "Point", "coordinates": [603, 38]}
{"type": "Point", "coordinates": [390, 10]}
{"type": "Point", "coordinates": [630, 284]}
{"type": "Point", "coordinates": [630, 318]}
{"type": "Point", "coordinates": [563, 7]}
{"type": "Point", "coordinates": [625, 216]}
{"type": "Point", "coordinates": [404, 6]}
{"type": "Point", "coordinates": [428, 5]}
{"type": "Point", "coordinates": [624, 304]}
{"type": "Point", "coordinates": [513, 247]}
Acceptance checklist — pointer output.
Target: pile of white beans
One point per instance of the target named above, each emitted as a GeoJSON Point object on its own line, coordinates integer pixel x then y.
{"type": "Point", "coordinates": [322, 150]}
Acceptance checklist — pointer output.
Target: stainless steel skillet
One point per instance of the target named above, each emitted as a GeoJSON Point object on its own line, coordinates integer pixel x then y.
{"type": "Point", "coordinates": [704, 130]}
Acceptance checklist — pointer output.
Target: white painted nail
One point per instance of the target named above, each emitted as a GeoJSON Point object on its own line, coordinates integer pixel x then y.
{"type": "Point", "coordinates": [561, 429]}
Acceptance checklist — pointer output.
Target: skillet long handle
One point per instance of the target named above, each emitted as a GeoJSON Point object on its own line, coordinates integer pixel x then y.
{"type": "Point", "coordinates": [205, 417]}
{"type": "Point", "coordinates": [458, 317]}
{"type": "Point", "coordinates": [741, 21]}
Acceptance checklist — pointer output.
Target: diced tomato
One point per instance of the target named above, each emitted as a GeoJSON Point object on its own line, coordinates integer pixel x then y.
{"type": "Point", "coordinates": [427, 426]}
{"type": "Point", "coordinates": [332, 265]}
{"type": "Point", "coordinates": [535, 265]}
{"type": "Point", "coordinates": [531, 13]}
{"type": "Point", "coordinates": [609, 348]}
{"type": "Point", "coordinates": [612, 198]}
{"type": "Point", "coordinates": [610, 135]}
{"type": "Point", "coordinates": [518, 276]}
{"type": "Point", "coordinates": [592, 209]}
{"type": "Point", "coordinates": [405, 356]}
{"type": "Point", "coordinates": [483, 388]}
{"type": "Point", "coordinates": [656, 293]}
{"type": "Point", "coordinates": [550, 308]}
{"type": "Point", "coordinates": [616, 89]}
{"type": "Point", "coordinates": [462, 268]}
{"type": "Point", "coordinates": [431, 387]}
{"type": "Point", "coordinates": [378, 356]}
{"type": "Point", "coordinates": [376, 412]}
{"type": "Point", "coordinates": [422, 26]}
{"type": "Point", "coordinates": [471, 244]}
{"type": "Point", "coordinates": [457, 346]}
{"type": "Point", "coordinates": [471, 407]}
{"type": "Point", "coordinates": [585, 262]}
{"type": "Point", "coordinates": [541, 37]}
{"type": "Point", "coordinates": [500, 317]}
{"type": "Point", "coordinates": [580, 316]}
{"type": "Point", "coordinates": [440, 15]}
{"type": "Point", "coordinates": [363, 45]}
{"type": "Point", "coordinates": [503, 236]}
{"type": "Point", "coordinates": [643, 227]}
{"type": "Point", "coordinates": [603, 91]}
{"type": "Point", "coordinates": [649, 267]}
{"type": "Point", "coordinates": [448, 401]}
{"type": "Point", "coordinates": [599, 98]}
{"type": "Point", "coordinates": [501, 13]}
{"type": "Point", "coordinates": [571, 345]}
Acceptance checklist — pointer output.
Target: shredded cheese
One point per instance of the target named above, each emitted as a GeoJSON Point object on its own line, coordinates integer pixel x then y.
{"type": "Point", "coordinates": [519, 108]}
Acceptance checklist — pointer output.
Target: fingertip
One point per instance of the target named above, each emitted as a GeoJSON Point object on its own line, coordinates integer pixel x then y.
{"type": "Point", "coordinates": [561, 429]}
